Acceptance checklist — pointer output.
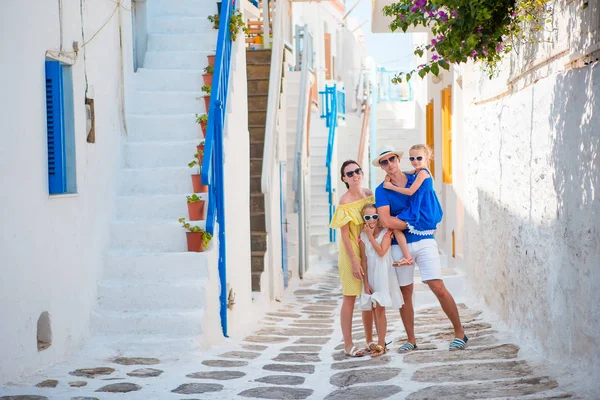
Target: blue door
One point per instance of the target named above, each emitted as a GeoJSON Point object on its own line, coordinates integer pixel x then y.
{"type": "Point", "coordinates": [284, 221]}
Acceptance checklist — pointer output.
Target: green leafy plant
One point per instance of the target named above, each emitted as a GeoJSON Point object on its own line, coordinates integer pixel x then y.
{"type": "Point", "coordinates": [206, 89]}
{"type": "Point", "coordinates": [236, 22]}
{"type": "Point", "coordinates": [201, 119]}
{"type": "Point", "coordinates": [215, 19]}
{"type": "Point", "coordinates": [206, 237]}
{"type": "Point", "coordinates": [193, 198]}
{"type": "Point", "coordinates": [196, 160]}
{"type": "Point", "coordinates": [209, 69]}
{"type": "Point", "coordinates": [481, 31]}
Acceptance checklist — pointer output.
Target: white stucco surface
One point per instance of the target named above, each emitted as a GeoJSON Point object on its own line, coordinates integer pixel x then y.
{"type": "Point", "coordinates": [51, 246]}
{"type": "Point", "coordinates": [532, 214]}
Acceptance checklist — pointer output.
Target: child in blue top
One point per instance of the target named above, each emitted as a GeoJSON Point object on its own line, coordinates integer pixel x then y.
{"type": "Point", "coordinates": [425, 210]}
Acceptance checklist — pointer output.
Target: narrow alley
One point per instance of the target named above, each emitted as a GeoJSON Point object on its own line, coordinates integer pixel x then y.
{"type": "Point", "coordinates": [296, 353]}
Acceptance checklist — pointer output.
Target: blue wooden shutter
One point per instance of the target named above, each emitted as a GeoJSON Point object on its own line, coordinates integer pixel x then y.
{"type": "Point", "coordinates": [57, 182]}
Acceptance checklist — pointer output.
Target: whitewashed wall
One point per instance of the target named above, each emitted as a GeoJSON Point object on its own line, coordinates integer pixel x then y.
{"type": "Point", "coordinates": [51, 247]}
{"type": "Point", "coordinates": [532, 179]}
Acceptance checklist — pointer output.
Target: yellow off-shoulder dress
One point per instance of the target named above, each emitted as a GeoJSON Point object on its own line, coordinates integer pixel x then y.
{"type": "Point", "coordinates": [350, 214]}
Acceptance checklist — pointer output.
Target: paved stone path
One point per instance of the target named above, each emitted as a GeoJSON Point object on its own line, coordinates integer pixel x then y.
{"type": "Point", "coordinates": [297, 354]}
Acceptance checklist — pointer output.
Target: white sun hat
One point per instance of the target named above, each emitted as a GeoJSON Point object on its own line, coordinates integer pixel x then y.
{"type": "Point", "coordinates": [384, 151]}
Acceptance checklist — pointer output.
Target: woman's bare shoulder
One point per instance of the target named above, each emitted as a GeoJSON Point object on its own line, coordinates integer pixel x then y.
{"type": "Point", "coordinates": [345, 199]}
{"type": "Point", "coordinates": [368, 192]}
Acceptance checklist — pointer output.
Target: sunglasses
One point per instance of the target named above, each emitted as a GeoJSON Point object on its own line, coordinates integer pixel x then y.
{"type": "Point", "coordinates": [350, 174]}
{"type": "Point", "coordinates": [384, 163]}
{"type": "Point", "coordinates": [418, 158]}
{"type": "Point", "coordinates": [368, 217]}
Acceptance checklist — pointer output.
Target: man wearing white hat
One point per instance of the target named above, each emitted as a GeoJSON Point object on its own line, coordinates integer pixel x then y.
{"type": "Point", "coordinates": [423, 249]}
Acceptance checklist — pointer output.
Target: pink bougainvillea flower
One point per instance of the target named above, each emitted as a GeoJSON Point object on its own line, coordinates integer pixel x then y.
{"type": "Point", "coordinates": [474, 53]}
{"type": "Point", "coordinates": [454, 13]}
{"type": "Point", "coordinates": [435, 57]}
{"type": "Point", "coordinates": [499, 47]}
{"type": "Point", "coordinates": [485, 53]}
{"type": "Point", "coordinates": [433, 42]}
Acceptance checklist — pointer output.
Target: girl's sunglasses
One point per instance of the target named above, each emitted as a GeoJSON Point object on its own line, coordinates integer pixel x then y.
{"type": "Point", "coordinates": [350, 174]}
{"type": "Point", "coordinates": [384, 163]}
{"type": "Point", "coordinates": [368, 217]}
{"type": "Point", "coordinates": [418, 158]}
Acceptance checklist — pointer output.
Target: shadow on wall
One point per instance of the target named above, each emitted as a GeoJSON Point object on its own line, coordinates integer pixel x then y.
{"type": "Point", "coordinates": [536, 260]}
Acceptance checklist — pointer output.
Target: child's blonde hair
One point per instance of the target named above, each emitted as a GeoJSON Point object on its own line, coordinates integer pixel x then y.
{"type": "Point", "coordinates": [368, 205]}
{"type": "Point", "coordinates": [425, 148]}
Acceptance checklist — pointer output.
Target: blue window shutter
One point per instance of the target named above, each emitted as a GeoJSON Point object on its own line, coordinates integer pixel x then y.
{"type": "Point", "coordinates": [57, 182]}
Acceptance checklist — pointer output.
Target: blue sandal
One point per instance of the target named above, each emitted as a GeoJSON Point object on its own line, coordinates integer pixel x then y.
{"type": "Point", "coordinates": [406, 347]}
{"type": "Point", "coordinates": [458, 344]}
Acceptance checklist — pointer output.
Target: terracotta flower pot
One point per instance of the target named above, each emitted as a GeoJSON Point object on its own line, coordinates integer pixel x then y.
{"type": "Point", "coordinates": [207, 78]}
{"type": "Point", "coordinates": [211, 60]}
{"type": "Point", "coordinates": [197, 184]}
{"type": "Point", "coordinates": [196, 210]}
{"type": "Point", "coordinates": [195, 241]}
{"type": "Point", "coordinates": [207, 103]}
{"type": "Point", "coordinates": [200, 149]}
{"type": "Point", "coordinates": [203, 126]}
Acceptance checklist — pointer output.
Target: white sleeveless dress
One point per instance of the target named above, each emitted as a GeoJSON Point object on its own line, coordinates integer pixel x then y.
{"type": "Point", "coordinates": [382, 278]}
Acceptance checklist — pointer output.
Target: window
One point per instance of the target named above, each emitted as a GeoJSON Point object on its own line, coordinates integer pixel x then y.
{"type": "Point", "coordinates": [60, 129]}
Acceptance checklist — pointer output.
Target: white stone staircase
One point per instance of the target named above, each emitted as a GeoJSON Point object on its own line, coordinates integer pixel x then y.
{"type": "Point", "coordinates": [319, 198]}
{"type": "Point", "coordinates": [150, 284]}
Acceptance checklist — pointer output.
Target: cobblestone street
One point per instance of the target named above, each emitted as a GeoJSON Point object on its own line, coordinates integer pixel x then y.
{"type": "Point", "coordinates": [296, 353]}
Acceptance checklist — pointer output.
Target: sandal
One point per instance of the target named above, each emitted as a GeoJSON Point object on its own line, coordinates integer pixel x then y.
{"type": "Point", "coordinates": [371, 347]}
{"type": "Point", "coordinates": [406, 347]}
{"type": "Point", "coordinates": [458, 344]}
{"type": "Point", "coordinates": [354, 352]}
{"type": "Point", "coordinates": [403, 262]}
{"type": "Point", "coordinates": [379, 351]}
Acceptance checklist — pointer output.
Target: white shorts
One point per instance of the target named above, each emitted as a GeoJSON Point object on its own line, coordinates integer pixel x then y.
{"type": "Point", "coordinates": [426, 255]}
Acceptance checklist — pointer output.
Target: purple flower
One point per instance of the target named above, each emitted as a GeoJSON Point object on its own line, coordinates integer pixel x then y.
{"type": "Point", "coordinates": [431, 14]}
{"type": "Point", "coordinates": [513, 14]}
{"type": "Point", "coordinates": [435, 57]}
{"type": "Point", "coordinates": [443, 16]}
{"type": "Point", "coordinates": [485, 53]}
{"type": "Point", "coordinates": [454, 13]}
{"type": "Point", "coordinates": [421, 66]}
{"type": "Point", "coordinates": [499, 47]}
{"type": "Point", "coordinates": [479, 29]}
{"type": "Point", "coordinates": [474, 53]}
{"type": "Point", "coordinates": [433, 42]}
{"type": "Point", "coordinates": [414, 9]}
{"type": "Point", "coordinates": [440, 38]}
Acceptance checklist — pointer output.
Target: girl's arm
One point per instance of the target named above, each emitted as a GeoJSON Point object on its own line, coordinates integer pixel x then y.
{"type": "Point", "coordinates": [363, 261]}
{"type": "Point", "coordinates": [385, 244]}
{"type": "Point", "coordinates": [357, 270]}
{"type": "Point", "coordinates": [421, 176]}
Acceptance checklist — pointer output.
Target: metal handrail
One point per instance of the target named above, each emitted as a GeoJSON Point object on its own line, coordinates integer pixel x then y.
{"type": "Point", "coordinates": [274, 96]}
{"type": "Point", "coordinates": [212, 164]}
{"type": "Point", "coordinates": [332, 114]}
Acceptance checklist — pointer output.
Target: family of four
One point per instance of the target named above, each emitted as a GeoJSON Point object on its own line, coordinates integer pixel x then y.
{"type": "Point", "coordinates": [383, 237]}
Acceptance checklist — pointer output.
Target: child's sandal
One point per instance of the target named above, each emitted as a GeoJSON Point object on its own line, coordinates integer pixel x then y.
{"type": "Point", "coordinates": [379, 351]}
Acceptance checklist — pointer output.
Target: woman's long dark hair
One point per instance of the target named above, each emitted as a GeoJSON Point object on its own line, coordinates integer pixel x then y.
{"type": "Point", "coordinates": [344, 165]}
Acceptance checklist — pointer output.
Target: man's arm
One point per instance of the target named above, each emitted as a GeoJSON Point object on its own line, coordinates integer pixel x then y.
{"type": "Point", "coordinates": [388, 221]}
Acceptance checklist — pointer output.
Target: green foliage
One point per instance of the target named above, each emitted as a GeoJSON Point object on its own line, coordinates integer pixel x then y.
{"type": "Point", "coordinates": [201, 118]}
{"type": "Point", "coordinates": [196, 160]}
{"type": "Point", "coordinates": [207, 89]}
{"type": "Point", "coordinates": [206, 237]}
{"type": "Point", "coordinates": [193, 198]}
{"type": "Point", "coordinates": [236, 22]}
{"type": "Point", "coordinates": [463, 30]}
{"type": "Point", "coordinates": [209, 69]}
{"type": "Point", "coordinates": [215, 19]}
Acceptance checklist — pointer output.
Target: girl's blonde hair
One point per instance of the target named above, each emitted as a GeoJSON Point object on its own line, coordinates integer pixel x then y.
{"type": "Point", "coordinates": [425, 148]}
{"type": "Point", "coordinates": [368, 205]}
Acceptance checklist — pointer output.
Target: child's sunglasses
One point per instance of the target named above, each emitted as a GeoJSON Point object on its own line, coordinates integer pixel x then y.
{"type": "Point", "coordinates": [418, 158]}
{"type": "Point", "coordinates": [350, 174]}
{"type": "Point", "coordinates": [368, 217]}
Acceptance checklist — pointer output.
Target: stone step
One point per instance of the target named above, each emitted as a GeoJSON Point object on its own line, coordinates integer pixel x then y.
{"type": "Point", "coordinates": [258, 241]}
{"type": "Point", "coordinates": [257, 203]}
{"type": "Point", "coordinates": [155, 181]}
{"type": "Point", "coordinates": [144, 268]}
{"type": "Point", "coordinates": [256, 164]}
{"type": "Point", "coordinates": [160, 154]}
{"type": "Point", "coordinates": [256, 150]}
{"type": "Point", "coordinates": [393, 123]}
{"type": "Point", "coordinates": [257, 133]}
{"type": "Point", "coordinates": [258, 86]}
{"type": "Point", "coordinates": [258, 222]}
{"type": "Point", "coordinates": [257, 101]}
{"type": "Point", "coordinates": [183, 42]}
{"type": "Point", "coordinates": [179, 24]}
{"type": "Point", "coordinates": [190, 60]}
{"type": "Point", "coordinates": [184, 8]}
{"type": "Point", "coordinates": [258, 261]}
{"type": "Point", "coordinates": [163, 322]}
{"type": "Point", "coordinates": [145, 207]}
{"type": "Point", "coordinates": [172, 127]}
{"type": "Point", "coordinates": [257, 118]}
{"type": "Point", "coordinates": [168, 80]}
{"type": "Point", "coordinates": [258, 71]}
{"type": "Point", "coordinates": [258, 56]}
{"type": "Point", "coordinates": [146, 236]}
{"type": "Point", "coordinates": [134, 296]}
{"type": "Point", "coordinates": [161, 102]}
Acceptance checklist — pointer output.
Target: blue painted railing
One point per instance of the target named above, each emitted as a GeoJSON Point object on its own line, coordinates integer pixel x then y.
{"type": "Point", "coordinates": [333, 108]}
{"type": "Point", "coordinates": [389, 91]}
{"type": "Point", "coordinates": [212, 165]}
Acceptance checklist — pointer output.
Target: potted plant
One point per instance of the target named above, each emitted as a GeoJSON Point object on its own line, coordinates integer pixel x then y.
{"type": "Point", "coordinates": [195, 207]}
{"type": "Point", "coordinates": [236, 22]}
{"type": "Point", "coordinates": [203, 121]}
{"type": "Point", "coordinates": [197, 238]}
{"type": "Point", "coordinates": [215, 19]}
{"type": "Point", "coordinates": [211, 60]}
{"type": "Point", "coordinates": [197, 184]}
{"type": "Point", "coordinates": [206, 89]}
{"type": "Point", "coordinates": [208, 75]}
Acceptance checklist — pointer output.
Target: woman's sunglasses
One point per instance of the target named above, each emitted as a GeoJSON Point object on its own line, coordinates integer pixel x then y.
{"type": "Point", "coordinates": [350, 174]}
{"type": "Point", "coordinates": [384, 163]}
{"type": "Point", "coordinates": [418, 158]}
{"type": "Point", "coordinates": [368, 217]}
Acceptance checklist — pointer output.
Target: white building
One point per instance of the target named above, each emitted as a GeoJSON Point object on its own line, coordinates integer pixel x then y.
{"type": "Point", "coordinates": [516, 167]}
{"type": "Point", "coordinates": [99, 251]}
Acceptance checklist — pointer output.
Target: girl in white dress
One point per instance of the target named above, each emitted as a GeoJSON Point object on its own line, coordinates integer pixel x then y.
{"type": "Point", "coordinates": [380, 284]}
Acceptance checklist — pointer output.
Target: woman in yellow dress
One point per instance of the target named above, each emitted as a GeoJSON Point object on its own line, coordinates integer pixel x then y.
{"type": "Point", "coordinates": [348, 219]}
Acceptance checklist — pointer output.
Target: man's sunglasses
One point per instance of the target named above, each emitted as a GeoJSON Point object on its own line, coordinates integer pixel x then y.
{"type": "Point", "coordinates": [418, 158]}
{"type": "Point", "coordinates": [368, 217]}
{"type": "Point", "coordinates": [384, 163]}
{"type": "Point", "coordinates": [350, 174]}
